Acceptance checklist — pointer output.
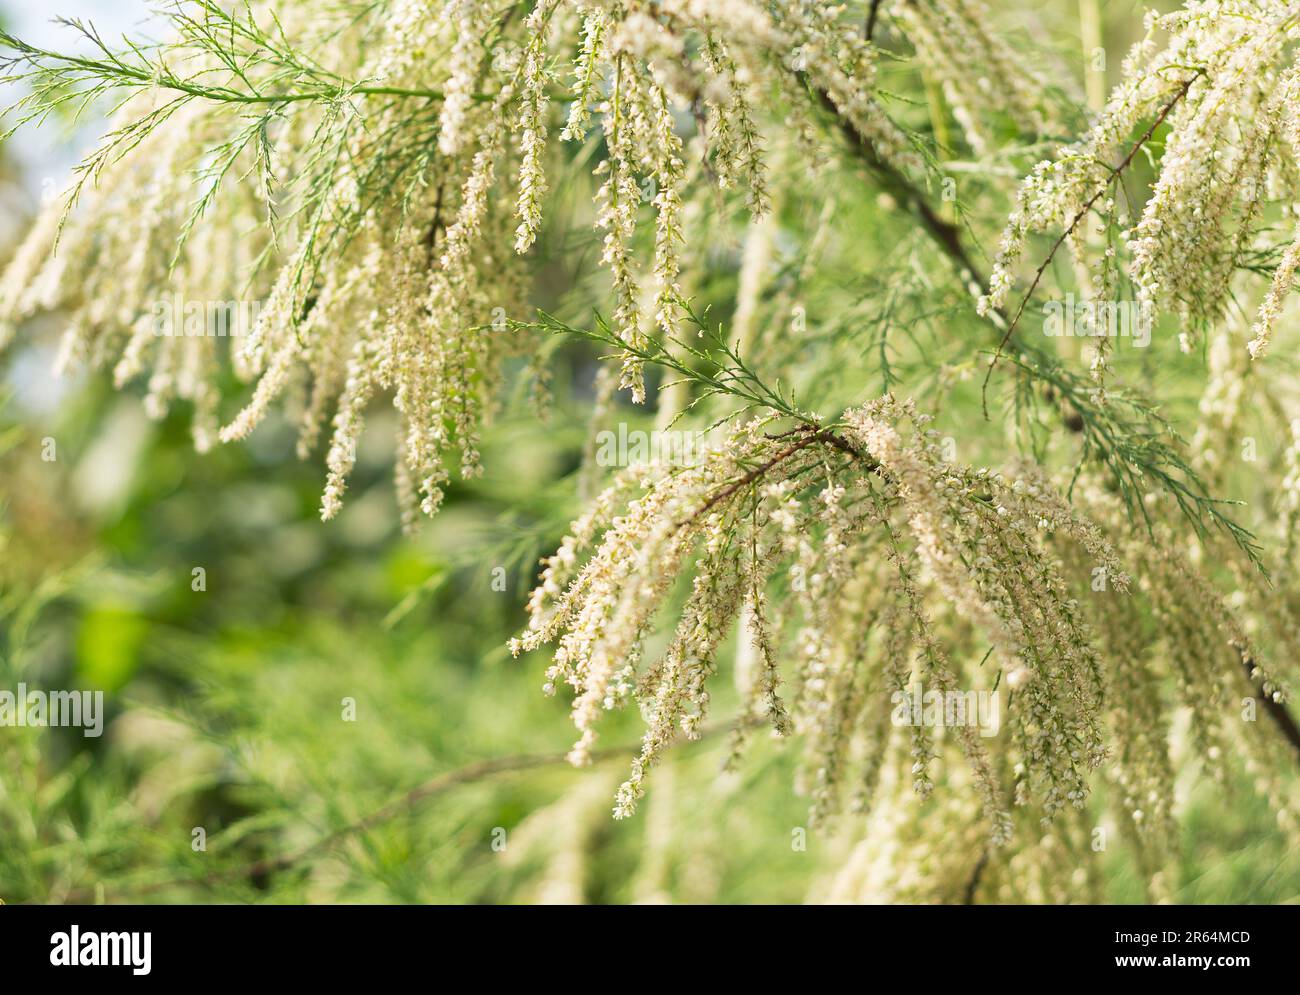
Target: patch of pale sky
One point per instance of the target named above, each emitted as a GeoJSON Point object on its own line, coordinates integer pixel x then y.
{"type": "Point", "coordinates": [46, 155]}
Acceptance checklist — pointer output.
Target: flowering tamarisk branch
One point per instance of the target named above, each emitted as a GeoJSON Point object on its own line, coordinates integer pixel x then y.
{"type": "Point", "coordinates": [1231, 146]}
{"type": "Point", "coordinates": [361, 177]}
{"type": "Point", "coordinates": [1083, 212]}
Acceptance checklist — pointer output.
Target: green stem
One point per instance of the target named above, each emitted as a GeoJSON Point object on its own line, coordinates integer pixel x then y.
{"type": "Point", "coordinates": [1090, 32]}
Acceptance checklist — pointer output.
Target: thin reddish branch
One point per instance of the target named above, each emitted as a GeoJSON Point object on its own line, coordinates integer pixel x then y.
{"type": "Point", "coordinates": [1083, 212]}
{"type": "Point", "coordinates": [1276, 710]}
{"type": "Point", "coordinates": [824, 435]}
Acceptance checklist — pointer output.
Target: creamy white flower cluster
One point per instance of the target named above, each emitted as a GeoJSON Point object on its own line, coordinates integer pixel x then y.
{"type": "Point", "coordinates": [367, 219]}
{"type": "Point", "coordinates": [977, 535]}
{"type": "Point", "coordinates": [1220, 76]}
{"type": "Point", "coordinates": [888, 555]}
{"type": "Point", "coordinates": [860, 562]}
{"type": "Point", "coordinates": [967, 56]}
